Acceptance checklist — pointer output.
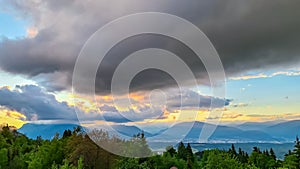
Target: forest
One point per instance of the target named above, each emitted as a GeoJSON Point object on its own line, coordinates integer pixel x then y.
{"type": "Point", "coordinates": [75, 150]}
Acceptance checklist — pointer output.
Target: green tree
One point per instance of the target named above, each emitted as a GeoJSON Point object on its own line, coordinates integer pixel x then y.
{"type": "Point", "coordinates": [171, 151]}
{"type": "Point", "coordinates": [242, 156]}
{"type": "Point", "coordinates": [80, 163]}
{"type": "Point", "coordinates": [189, 151]}
{"type": "Point", "coordinates": [3, 158]}
{"type": "Point", "coordinates": [262, 159]}
{"type": "Point", "coordinates": [221, 159]}
{"type": "Point", "coordinates": [232, 150]}
{"type": "Point", "coordinates": [272, 154]}
{"type": "Point", "coordinates": [290, 161]}
{"type": "Point", "coordinates": [296, 151]}
{"type": "Point", "coordinates": [181, 151]}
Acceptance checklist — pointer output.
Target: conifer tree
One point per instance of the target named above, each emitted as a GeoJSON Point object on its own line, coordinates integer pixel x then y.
{"type": "Point", "coordinates": [181, 151]}
{"type": "Point", "coordinates": [189, 152]}
{"type": "Point", "coordinates": [272, 154]}
{"type": "Point", "coordinates": [296, 152]}
{"type": "Point", "coordinates": [232, 150]}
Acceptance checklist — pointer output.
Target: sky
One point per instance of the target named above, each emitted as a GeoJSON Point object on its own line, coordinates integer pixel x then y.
{"type": "Point", "coordinates": [257, 43]}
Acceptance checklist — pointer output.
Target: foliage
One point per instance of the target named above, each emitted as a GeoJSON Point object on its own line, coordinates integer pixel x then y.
{"type": "Point", "coordinates": [220, 159]}
{"type": "Point", "coordinates": [75, 150]}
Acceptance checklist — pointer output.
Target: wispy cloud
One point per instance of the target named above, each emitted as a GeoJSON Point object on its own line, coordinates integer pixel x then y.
{"type": "Point", "coordinates": [287, 73]}
{"type": "Point", "coordinates": [246, 77]}
{"type": "Point", "coordinates": [239, 105]}
{"type": "Point", "coordinates": [263, 75]}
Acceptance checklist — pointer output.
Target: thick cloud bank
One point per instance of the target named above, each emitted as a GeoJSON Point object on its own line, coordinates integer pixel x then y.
{"type": "Point", "coordinates": [247, 34]}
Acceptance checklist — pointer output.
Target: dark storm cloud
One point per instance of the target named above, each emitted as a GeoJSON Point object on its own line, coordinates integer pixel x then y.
{"type": "Point", "coordinates": [188, 100]}
{"type": "Point", "coordinates": [111, 114]}
{"type": "Point", "coordinates": [115, 117]}
{"type": "Point", "coordinates": [36, 104]}
{"type": "Point", "coordinates": [247, 35]}
{"type": "Point", "coordinates": [150, 78]}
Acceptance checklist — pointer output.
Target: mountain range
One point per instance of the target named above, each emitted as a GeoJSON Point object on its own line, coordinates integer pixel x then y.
{"type": "Point", "coordinates": [46, 131]}
{"type": "Point", "coordinates": [268, 132]}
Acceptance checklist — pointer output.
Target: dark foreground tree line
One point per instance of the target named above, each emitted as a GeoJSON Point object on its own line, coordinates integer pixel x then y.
{"type": "Point", "coordinates": [75, 150]}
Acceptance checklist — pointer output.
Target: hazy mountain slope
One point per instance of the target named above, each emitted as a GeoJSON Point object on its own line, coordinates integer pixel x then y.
{"type": "Point", "coordinates": [265, 132]}
{"type": "Point", "coordinates": [286, 130]}
{"type": "Point", "coordinates": [46, 131]}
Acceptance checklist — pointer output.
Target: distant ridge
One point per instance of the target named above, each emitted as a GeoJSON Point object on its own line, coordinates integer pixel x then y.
{"type": "Point", "coordinates": [285, 131]}
{"type": "Point", "coordinates": [225, 134]}
{"type": "Point", "coordinates": [46, 131]}
{"type": "Point", "coordinates": [264, 133]}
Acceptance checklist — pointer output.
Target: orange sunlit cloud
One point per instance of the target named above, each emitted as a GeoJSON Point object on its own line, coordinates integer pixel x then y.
{"type": "Point", "coordinates": [84, 103]}
{"type": "Point", "coordinates": [92, 104]}
{"type": "Point", "coordinates": [32, 32]}
{"type": "Point", "coordinates": [12, 118]}
{"type": "Point", "coordinates": [238, 112]}
{"type": "Point", "coordinates": [137, 96]}
{"type": "Point", "coordinates": [246, 77]}
{"type": "Point", "coordinates": [5, 87]}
